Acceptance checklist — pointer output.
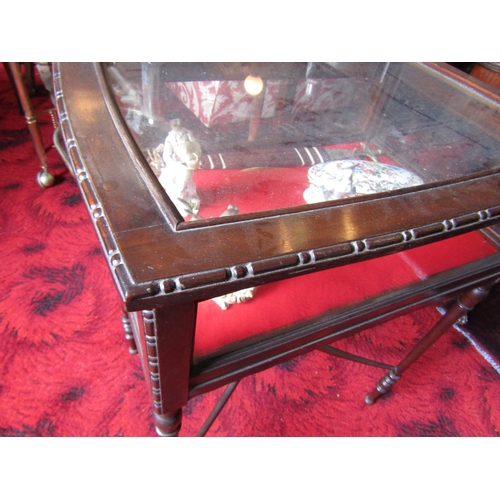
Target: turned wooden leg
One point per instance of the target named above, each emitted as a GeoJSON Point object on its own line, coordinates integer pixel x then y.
{"type": "Point", "coordinates": [462, 305]}
{"type": "Point", "coordinates": [45, 178]}
{"type": "Point", "coordinates": [132, 347]}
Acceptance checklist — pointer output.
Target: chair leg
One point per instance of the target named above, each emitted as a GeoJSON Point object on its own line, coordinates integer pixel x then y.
{"type": "Point", "coordinates": [462, 305]}
{"type": "Point", "coordinates": [45, 178]}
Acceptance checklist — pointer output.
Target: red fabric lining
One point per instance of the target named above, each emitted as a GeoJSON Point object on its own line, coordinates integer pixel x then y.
{"type": "Point", "coordinates": [256, 189]}
{"type": "Point", "coordinates": [447, 254]}
{"type": "Point", "coordinates": [281, 303]}
{"type": "Point", "coordinates": [251, 190]}
{"type": "Point", "coordinates": [284, 302]}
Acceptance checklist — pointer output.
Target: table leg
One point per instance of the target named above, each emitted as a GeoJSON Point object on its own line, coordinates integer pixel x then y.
{"type": "Point", "coordinates": [169, 338]}
{"type": "Point", "coordinates": [462, 305]}
{"type": "Point", "coordinates": [129, 336]}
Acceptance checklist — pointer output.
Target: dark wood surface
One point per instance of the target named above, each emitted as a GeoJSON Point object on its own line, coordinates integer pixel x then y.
{"type": "Point", "coordinates": [157, 258]}
{"type": "Point", "coordinates": [489, 75]}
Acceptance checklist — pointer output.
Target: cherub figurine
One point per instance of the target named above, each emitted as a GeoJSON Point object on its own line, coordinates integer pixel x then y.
{"type": "Point", "coordinates": [182, 155]}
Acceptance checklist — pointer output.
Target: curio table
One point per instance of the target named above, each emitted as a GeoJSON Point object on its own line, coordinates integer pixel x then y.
{"type": "Point", "coordinates": [310, 200]}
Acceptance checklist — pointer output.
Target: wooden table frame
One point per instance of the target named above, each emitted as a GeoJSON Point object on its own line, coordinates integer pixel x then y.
{"type": "Point", "coordinates": [162, 272]}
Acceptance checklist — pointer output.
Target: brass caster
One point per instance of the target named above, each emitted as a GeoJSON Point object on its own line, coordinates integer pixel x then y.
{"type": "Point", "coordinates": [369, 400]}
{"type": "Point", "coordinates": [45, 179]}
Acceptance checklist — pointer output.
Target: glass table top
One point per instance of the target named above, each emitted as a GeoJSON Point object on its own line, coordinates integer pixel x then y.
{"type": "Point", "coordinates": [240, 138]}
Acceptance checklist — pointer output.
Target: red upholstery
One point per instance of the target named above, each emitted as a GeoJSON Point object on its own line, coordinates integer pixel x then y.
{"type": "Point", "coordinates": [281, 303]}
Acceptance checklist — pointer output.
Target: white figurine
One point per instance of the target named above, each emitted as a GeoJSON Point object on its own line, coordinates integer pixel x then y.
{"type": "Point", "coordinates": [182, 155]}
{"type": "Point", "coordinates": [224, 301]}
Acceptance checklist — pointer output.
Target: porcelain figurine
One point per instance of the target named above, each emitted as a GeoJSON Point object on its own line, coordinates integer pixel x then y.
{"type": "Point", "coordinates": [224, 301]}
{"type": "Point", "coordinates": [334, 180]}
{"type": "Point", "coordinates": [181, 156]}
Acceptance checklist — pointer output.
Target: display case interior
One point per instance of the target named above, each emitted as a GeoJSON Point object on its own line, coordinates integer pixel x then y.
{"type": "Point", "coordinates": [255, 137]}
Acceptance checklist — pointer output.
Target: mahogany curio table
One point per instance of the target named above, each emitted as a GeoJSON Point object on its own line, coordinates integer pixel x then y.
{"type": "Point", "coordinates": [204, 179]}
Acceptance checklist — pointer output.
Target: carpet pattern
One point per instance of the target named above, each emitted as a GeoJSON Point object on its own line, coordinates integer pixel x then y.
{"type": "Point", "coordinates": [65, 369]}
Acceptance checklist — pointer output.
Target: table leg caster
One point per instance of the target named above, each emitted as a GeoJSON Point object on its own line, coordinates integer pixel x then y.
{"type": "Point", "coordinates": [382, 387]}
{"type": "Point", "coordinates": [45, 179]}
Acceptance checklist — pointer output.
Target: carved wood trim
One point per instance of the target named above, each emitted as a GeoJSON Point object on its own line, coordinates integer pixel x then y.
{"type": "Point", "coordinates": [94, 206]}
{"type": "Point", "coordinates": [148, 319]}
{"type": "Point", "coordinates": [242, 276]}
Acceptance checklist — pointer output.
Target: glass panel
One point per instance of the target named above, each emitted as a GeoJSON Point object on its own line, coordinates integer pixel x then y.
{"type": "Point", "coordinates": [226, 138]}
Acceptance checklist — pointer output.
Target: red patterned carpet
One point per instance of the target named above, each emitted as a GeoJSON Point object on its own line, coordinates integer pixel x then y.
{"type": "Point", "coordinates": [65, 369]}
